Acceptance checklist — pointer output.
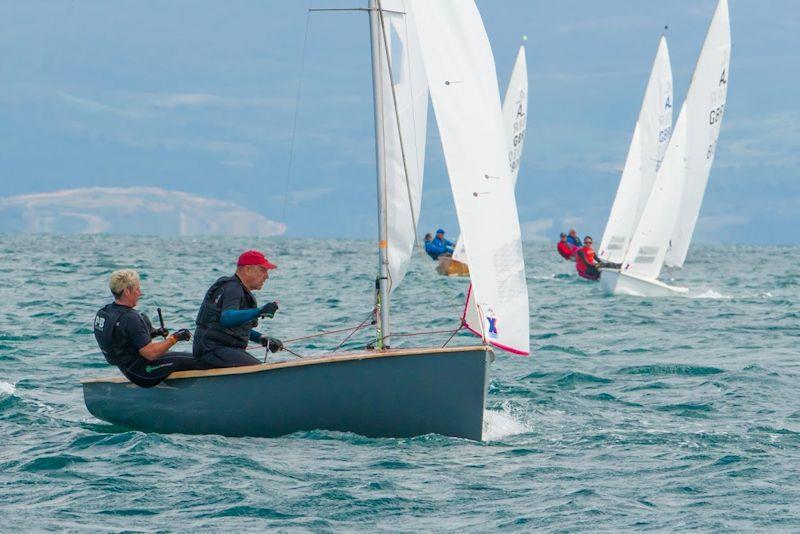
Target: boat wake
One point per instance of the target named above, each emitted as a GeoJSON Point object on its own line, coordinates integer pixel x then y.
{"type": "Point", "coordinates": [710, 294]}
{"type": "Point", "coordinates": [500, 424]}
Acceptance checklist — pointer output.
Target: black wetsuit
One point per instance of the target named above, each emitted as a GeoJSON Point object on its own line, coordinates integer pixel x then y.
{"type": "Point", "coordinates": [218, 346]}
{"type": "Point", "coordinates": [121, 332]}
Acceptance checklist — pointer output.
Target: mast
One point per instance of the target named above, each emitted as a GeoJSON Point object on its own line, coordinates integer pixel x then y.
{"type": "Point", "coordinates": [382, 304]}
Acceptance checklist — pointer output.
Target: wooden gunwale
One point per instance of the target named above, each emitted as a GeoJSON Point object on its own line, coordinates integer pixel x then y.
{"type": "Point", "coordinates": [302, 362]}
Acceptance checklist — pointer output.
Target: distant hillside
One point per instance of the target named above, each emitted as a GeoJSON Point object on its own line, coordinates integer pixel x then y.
{"type": "Point", "coordinates": [133, 210]}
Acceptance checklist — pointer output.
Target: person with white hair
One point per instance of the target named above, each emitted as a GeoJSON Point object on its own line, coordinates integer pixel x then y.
{"type": "Point", "coordinates": [126, 336]}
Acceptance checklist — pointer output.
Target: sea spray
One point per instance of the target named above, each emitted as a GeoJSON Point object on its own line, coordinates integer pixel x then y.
{"type": "Point", "coordinates": [502, 423]}
{"type": "Point", "coordinates": [6, 389]}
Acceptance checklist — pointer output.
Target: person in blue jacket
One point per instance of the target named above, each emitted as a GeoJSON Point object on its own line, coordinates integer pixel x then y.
{"type": "Point", "coordinates": [439, 245]}
{"type": "Point", "coordinates": [573, 238]}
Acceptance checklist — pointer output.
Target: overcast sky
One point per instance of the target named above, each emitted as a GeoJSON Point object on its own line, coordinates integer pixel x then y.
{"type": "Point", "coordinates": [200, 96]}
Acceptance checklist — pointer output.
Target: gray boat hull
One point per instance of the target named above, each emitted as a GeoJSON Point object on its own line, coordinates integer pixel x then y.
{"type": "Point", "coordinates": [396, 393]}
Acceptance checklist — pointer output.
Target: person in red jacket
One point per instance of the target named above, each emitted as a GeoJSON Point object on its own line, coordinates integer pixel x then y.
{"type": "Point", "coordinates": [567, 250]}
{"type": "Point", "coordinates": [586, 262]}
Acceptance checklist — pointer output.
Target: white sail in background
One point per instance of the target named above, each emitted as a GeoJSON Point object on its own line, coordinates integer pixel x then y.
{"type": "Point", "coordinates": [463, 85]}
{"type": "Point", "coordinates": [705, 106]}
{"type": "Point", "coordinates": [648, 145]}
{"type": "Point", "coordinates": [645, 255]}
{"type": "Point", "coordinates": [403, 194]}
{"type": "Point", "coordinates": [515, 112]}
{"type": "Point", "coordinates": [515, 120]}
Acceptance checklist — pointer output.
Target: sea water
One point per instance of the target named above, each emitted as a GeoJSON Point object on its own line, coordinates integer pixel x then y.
{"type": "Point", "coordinates": [631, 413]}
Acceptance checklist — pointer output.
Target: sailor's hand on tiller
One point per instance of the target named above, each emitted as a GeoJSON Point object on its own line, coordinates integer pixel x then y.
{"type": "Point", "coordinates": [272, 344]}
{"type": "Point", "coordinates": [182, 335]}
{"type": "Point", "coordinates": [163, 332]}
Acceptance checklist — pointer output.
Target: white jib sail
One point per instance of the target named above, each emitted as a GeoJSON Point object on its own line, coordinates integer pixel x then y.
{"type": "Point", "coordinates": [705, 105]}
{"type": "Point", "coordinates": [515, 120]}
{"type": "Point", "coordinates": [645, 255]}
{"type": "Point", "coordinates": [463, 85]}
{"type": "Point", "coordinates": [403, 194]}
{"type": "Point", "coordinates": [648, 145]}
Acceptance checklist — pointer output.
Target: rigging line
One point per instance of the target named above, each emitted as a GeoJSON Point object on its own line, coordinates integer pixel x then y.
{"type": "Point", "coordinates": [319, 334]}
{"type": "Point", "coordinates": [456, 331]}
{"type": "Point", "coordinates": [294, 122]}
{"type": "Point", "coordinates": [356, 329]}
{"type": "Point", "coordinates": [428, 333]}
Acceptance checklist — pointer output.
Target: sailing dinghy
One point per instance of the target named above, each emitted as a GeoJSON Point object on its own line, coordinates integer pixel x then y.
{"type": "Point", "coordinates": [443, 51]}
{"type": "Point", "coordinates": [515, 121]}
{"type": "Point", "coordinates": [666, 224]}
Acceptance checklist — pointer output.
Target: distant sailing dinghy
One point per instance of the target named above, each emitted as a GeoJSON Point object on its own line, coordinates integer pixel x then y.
{"type": "Point", "coordinates": [667, 222]}
{"type": "Point", "coordinates": [441, 48]}
{"type": "Point", "coordinates": [515, 121]}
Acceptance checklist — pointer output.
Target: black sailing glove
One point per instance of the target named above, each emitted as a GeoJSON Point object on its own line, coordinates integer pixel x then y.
{"type": "Point", "coordinates": [163, 332]}
{"type": "Point", "coordinates": [268, 310]}
{"type": "Point", "coordinates": [182, 335]}
{"type": "Point", "coordinates": [271, 343]}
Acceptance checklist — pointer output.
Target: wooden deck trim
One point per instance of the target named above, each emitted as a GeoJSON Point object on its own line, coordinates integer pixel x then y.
{"type": "Point", "coordinates": [299, 363]}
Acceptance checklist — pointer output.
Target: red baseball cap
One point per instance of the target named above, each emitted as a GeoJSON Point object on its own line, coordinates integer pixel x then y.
{"type": "Point", "coordinates": [254, 257]}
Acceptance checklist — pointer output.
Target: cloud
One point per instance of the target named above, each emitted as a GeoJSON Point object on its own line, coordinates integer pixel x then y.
{"type": "Point", "coordinates": [610, 23]}
{"type": "Point", "coordinates": [97, 106]}
{"type": "Point", "coordinates": [535, 230]}
{"type": "Point", "coordinates": [307, 195]}
{"type": "Point", "coordinates": [767, 140]}
{"type": "Point", "coordinates": [708, 227]}
{"type": "Point", "coordinates": [195, 100]}
{"type": "Point", "coordinates": [134, 210]}
{"type": "Point", "coordinates": [239, 152]}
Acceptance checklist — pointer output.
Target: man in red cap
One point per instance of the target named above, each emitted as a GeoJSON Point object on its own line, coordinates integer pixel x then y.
{"type": "Point", "coordinates": [229, 313]}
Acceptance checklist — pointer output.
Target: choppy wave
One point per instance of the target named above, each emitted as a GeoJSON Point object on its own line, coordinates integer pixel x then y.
{"type": "Point", "coordinates": [631, 414]}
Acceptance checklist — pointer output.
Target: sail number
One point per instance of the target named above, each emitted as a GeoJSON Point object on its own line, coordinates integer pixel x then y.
{"type": "Point", "coordinates": [716, 114]}
{"type": "Point", "coordinates": [663, 135]}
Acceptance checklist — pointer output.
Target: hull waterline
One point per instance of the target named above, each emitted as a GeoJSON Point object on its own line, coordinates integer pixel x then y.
{"type": "Point", "coordinates": [396, 393]}
{"type": "Point", "coordinates": [615, 283]}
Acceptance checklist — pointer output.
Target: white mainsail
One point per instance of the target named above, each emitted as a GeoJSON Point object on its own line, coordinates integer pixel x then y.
{"type": "Point", "coordinates": [648, 145]}
{"type": "Point", "coordinates": [403, 193]}
{"type": "Point", "coordinates": [645, 255]}
{"type": "Point", "coordinates": [463, 85]}
{"type": "Point", "coordinates": [705, 106]}
{"type": "Point", "coordinates": [515, 120]}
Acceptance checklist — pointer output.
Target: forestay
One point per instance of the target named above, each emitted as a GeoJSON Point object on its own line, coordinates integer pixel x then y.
{"type": "Point", "coordinates": [403, 194]}
{"type": "Point", "coordinates": [463, 85]}
{"type": "Point", "coordinates": [648, 145]}
{"type": "Point", "coordinates": [515, 120]}
{"type": "Point", "coordinates": [705, 106]}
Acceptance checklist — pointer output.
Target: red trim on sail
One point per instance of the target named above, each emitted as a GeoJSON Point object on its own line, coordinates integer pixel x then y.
{"type": "Point", "coordinates": [468, 327]}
